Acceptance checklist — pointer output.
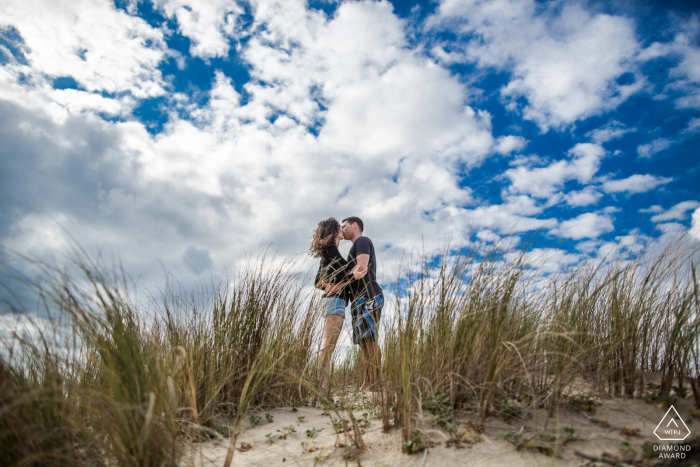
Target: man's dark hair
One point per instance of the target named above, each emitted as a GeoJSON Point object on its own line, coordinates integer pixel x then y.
{"type": "Point", "coordinates": [356, 220]}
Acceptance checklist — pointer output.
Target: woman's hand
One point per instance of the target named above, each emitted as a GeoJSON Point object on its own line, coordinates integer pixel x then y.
{"type": "Point", "coordinates": [332, 288]}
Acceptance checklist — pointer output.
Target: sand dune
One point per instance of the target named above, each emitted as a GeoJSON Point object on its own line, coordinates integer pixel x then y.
{"type": "Point", "coordinates": [616, 421]}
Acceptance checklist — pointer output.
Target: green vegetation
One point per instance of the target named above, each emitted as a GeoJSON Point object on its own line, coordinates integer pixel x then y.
{"type": "Point", "coordinates": [101, 380]}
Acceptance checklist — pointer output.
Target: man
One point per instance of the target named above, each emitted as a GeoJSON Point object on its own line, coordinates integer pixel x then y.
{"type": "Point", "coordinates": [366, 298]}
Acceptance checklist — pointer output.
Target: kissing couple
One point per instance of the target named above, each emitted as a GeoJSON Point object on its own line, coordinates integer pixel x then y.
{"type": "Point", "coordinates": [351, 281]}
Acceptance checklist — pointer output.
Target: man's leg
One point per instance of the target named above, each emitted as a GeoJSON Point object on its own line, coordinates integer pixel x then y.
{"type": "Point", "coordinates": [331, 332]}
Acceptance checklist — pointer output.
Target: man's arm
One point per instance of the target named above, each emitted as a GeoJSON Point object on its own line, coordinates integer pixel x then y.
{"type": "Point", "coordinates": [358, 272]}
{"type": "Point", "coordinates": [361, 269]}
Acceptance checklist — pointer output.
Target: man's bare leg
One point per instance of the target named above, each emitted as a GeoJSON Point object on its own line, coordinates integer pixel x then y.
{"type": "Point", "coordinates": [331, 332]}
{"type": "Point", "coordinates": [371, 359]}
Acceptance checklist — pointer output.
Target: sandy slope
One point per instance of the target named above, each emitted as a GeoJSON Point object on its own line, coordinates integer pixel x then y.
{"type": "Point", "coordinates": [592, 437]}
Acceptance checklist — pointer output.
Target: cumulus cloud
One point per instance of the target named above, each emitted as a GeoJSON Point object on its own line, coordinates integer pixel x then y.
{"type": "Point", "coordinates": [341, 118]}
{"type": "Point", "coordinates": [635, 184]}
{"type": "Point", "coordinates": [209, 25]}
{"type": "Point", "coordinates": [695, 225]}
{"type": "Point", "coordinates": [110, 57]}
{"type": "Point", "coordinates": [507, 144]}
{"type": "Point", "coordinates": [608, 132]}
{"type": "Point", "coordinates": [546, 260]}
{"type": "Point", "coordinates": [100, 47]}
{"type": "Point", "coordinates": [677, 212]}
{"type": "Point", "coordinates": [686, 74]}
{"type": "Point", "coordinates": [587, 225]}
{"type": "Point", "coordinates": [198, 259]}
{"type": "Point", "coordinates": [693, 126]}
{"type": "Point", "coordinates": [562, 58]}
{"type": "Point", "coordinates": [543, 182]}
{"type": "Point", "coordinates": [656, 146]}
{"type": "Point", "coordinates": [342, 115]}
{"type": "Point", "coordinates": [585, 197]}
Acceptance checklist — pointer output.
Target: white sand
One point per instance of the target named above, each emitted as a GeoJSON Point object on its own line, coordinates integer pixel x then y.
{"type": "Point", "coordinates": [384, 448]}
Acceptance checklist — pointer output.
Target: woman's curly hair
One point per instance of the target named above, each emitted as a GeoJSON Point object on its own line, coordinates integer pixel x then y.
{"type": "Point", "coordinates": [324, 237]}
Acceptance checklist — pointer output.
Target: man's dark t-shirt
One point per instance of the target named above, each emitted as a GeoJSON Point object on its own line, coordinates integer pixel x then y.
{"type": "Point", "coordinates": [367, 287]}
{"type": "Point", "coordinates": [332, 270]}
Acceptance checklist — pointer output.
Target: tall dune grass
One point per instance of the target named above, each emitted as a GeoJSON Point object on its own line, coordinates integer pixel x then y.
{"type": "Point", "coordinates": [487, 329]}
{"type": "Point", "coordinates": [137, 384]}
{"type": "Point", "coordinates": [114, 382]}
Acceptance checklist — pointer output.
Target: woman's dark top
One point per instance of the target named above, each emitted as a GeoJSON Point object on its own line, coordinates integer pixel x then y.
{"type": "Point", "coordinates": [333, 269]}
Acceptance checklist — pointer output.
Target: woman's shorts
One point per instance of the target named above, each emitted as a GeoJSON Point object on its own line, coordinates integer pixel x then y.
{"type": "Point", "coordinates": [365, 318]}
{"type": "Point", "coordinates": [334, 306]}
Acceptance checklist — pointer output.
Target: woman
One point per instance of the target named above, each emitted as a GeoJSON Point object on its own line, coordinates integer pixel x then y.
{"type": "Point", "coordinates": [332, 270]}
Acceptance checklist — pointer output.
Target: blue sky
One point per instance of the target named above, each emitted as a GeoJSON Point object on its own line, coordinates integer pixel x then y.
{"type": "Point", "coordinates": [184, 135]}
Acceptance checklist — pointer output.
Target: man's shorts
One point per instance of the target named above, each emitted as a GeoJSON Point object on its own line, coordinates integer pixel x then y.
{"type": "Point", "coordinates": [365, 318]}
{"type": "Point", "coordinates": [334, 306]}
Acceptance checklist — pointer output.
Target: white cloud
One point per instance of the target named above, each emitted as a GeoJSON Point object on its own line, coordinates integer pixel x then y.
{"type": "Point", "coordinates": [102, 48]}
{"type": "Point", "coordinates": [695, 225]}
{"type": "Point", "coordinates": [563, 59]}
{"type": "Point", "coordinates": [687, 72]}
{"type": "Point", "coordinates": [546, 260]}
{"type": "Point", "coordinates": [610, 131]}
{"type": "Point", "coordinates": [693, 126]}
{"type": "Point", "coordinates": [677, 212]}
{"type": "Point", "coordinates": [516, 214]}
{"type": "Point", "coordinates": [395, 133]}
{"type": "Point", "coordinates": [210, 25]}
{"type": "Point", "coordinates": [654, 147]}
{"type": "Point", "coordinates": [635, 184]}
{"type": "Point", "coordinates": [488, 236]}
{"type": "Point", "coordinates": [587, 225]}
{"type": "Point", "coordinates": [584, 197]}
{"type": "Point", "coordinates": [507, 144]}
{"type": "Point", "coordinates": [654, 209]}
{"type": "Point", "coordinates": [543, 182]}
{"type": "Point", "coordinates": [343, 117]}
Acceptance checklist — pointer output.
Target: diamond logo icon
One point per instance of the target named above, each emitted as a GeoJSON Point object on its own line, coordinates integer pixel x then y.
{"type": "Point", "coordinates": [672, 427]}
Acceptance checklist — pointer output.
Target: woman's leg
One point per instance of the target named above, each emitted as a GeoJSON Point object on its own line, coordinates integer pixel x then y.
{"type": "Point", "coordinates": [331, 332]}
{"type": "Point", "coordinates": [371, 359]}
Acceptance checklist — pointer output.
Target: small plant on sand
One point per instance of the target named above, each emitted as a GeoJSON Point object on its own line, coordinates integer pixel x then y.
{"type": "Point", "coordinates": [288, 430]}
{"type": "Point", "coordinates": [583, 404]}
{"type": "Point", "coordinates": [322, 456]}
{"type": "Point", "coordinates": [255, 420]}
{"type": "Point", "coordinates": [311, 433]}
{"type": "Point", "coordinates": [439, 405]}
{"type": "Point", "coordinates": [660, 399]}
{"type": "Point", "coordinates": [545, 443]}
{"type": "Point", "coordinates": [364, 421]}
{"type": "Point", "coordinates": [301, 418]}
{"type": "Point", "coordinates": [650, 449]}
{"type": "Point", "coordinates": [269, 417]}
{"type": "Point", "coordinates": [309, 447]}
{"type": "Point", "coordinates": [295, 406]}
{"type": "Point", "coordinates": [270, 438]}
{"type": "Point", "coordinates": [413, 445]}
{"type": "Point", "coordinates": [245, 447]}
{"type": "Point", "coordinates": [339, 425]}
{"type": "Point", "coordinates": [628, 451]}
{"type": "Point", "coordinates": [509, 410]}
{"type": "Point", "coordinates": [630, 432]}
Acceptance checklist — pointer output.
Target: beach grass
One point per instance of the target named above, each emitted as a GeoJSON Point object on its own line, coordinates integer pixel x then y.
{"type": "Point", "coordinates": [95, 377]}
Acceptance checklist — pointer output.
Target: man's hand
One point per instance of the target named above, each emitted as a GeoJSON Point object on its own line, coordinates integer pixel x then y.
{"type": "Point", "coordinates": [359, 273]}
